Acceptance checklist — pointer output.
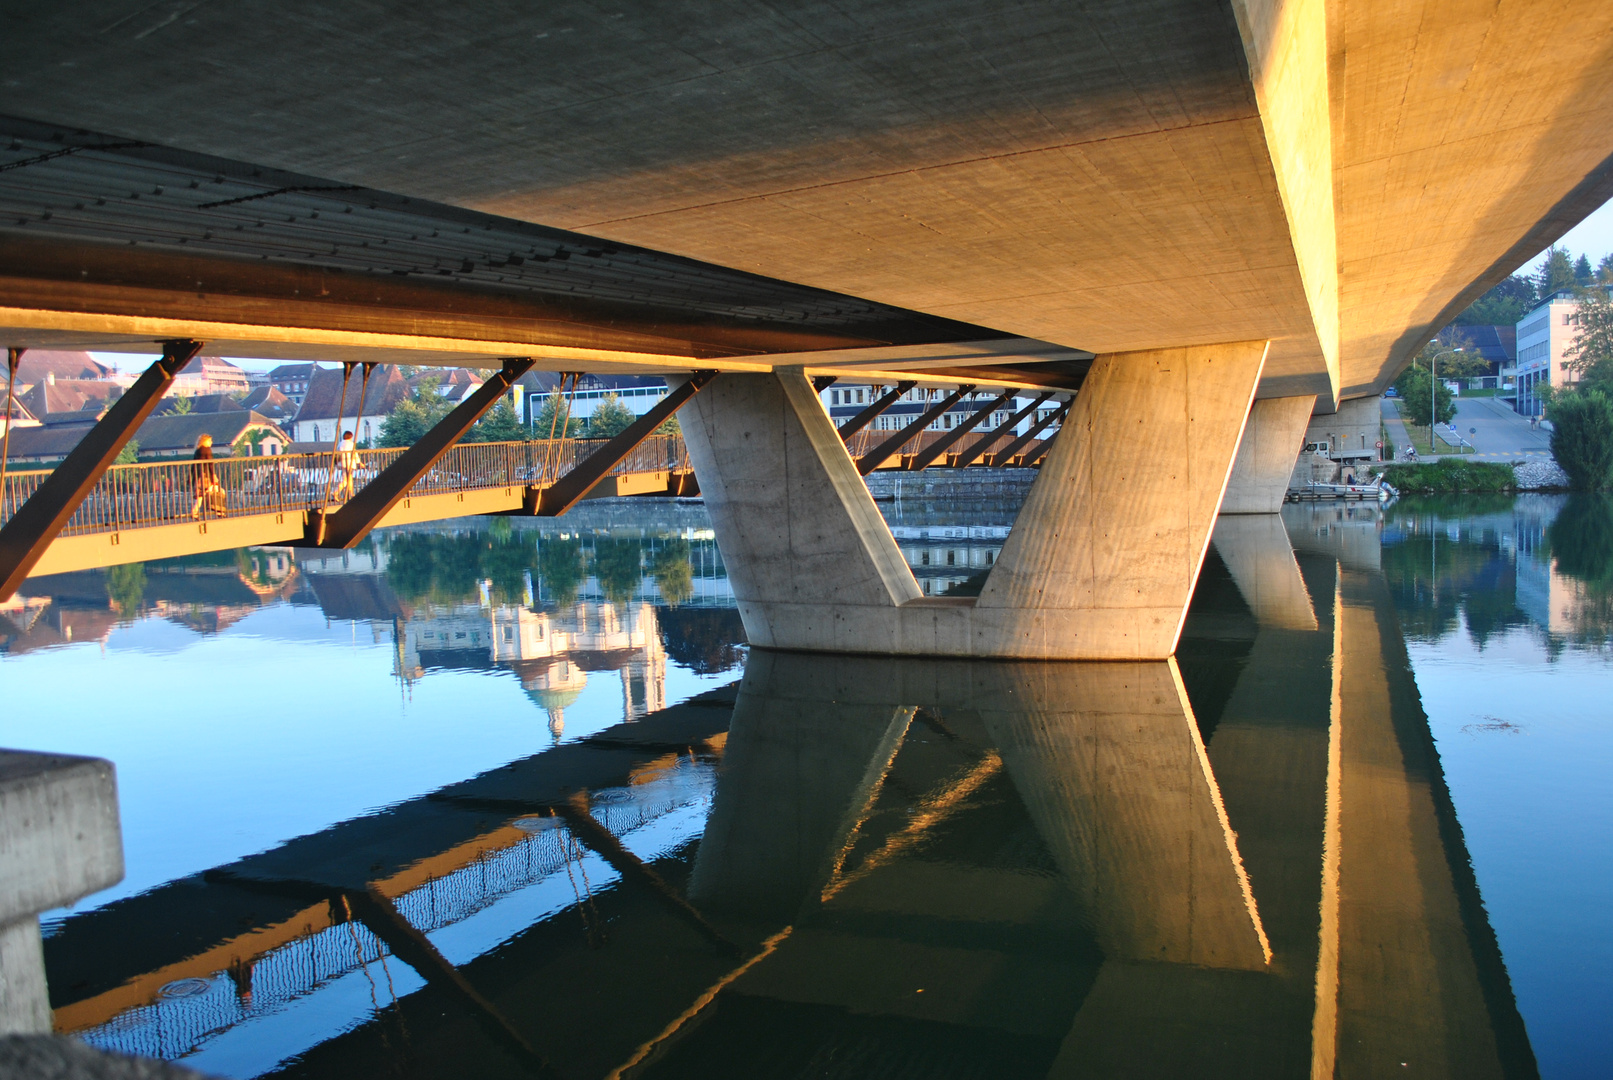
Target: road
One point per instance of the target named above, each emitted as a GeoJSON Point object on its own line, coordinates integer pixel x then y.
{"type": "Point", "coordinates": [1502, 435]}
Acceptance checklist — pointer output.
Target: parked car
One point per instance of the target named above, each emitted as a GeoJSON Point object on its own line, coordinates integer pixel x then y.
{"type": "Point", "coordinates": [1390, 392]}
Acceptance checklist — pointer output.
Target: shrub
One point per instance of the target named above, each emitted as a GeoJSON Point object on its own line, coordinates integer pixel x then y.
{"type": "Point", "coordinates": [1582, 439]}
{"type": "Point", "coordinates": [1451, 475]}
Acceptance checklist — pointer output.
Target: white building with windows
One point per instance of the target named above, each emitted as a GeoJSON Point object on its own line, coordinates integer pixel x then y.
{"type": "Point", "coordinates": [1544, 334]}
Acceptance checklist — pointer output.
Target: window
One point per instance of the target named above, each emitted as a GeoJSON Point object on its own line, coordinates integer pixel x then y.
{"type": "Point", "coordinates": [952, 557]}
{"type": "Point", "coordinates": [859, 397]}
{"type": "Point", "coordinates": [924, 559]}
{"type": "Point", "coordinates": [834, 397]}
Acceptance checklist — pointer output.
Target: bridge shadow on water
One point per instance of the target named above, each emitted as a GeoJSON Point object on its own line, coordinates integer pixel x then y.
{"type": "Point", "coordinates": [1242, 862]}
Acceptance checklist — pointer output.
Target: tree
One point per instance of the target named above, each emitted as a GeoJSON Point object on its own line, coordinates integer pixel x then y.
{"type": "Point", "coordinates": [415, 415]}
{"type": "Point", "coordinates": [1590, 355]}
{"type": "Point", "coordinates": [673, 574]}
{"type": "Point", "coordinates": [1582, 271]}
{"type": "Point", "coordinates": [1413, 388]}
{"type": "Point", "coordinates": [1503, 305]}
{"type": "Point", "coordinates": [560, 569]}
{"type": "Point", "coordinates": [130, 453]}
{"type": "Point", "coordinates": [1557, 272]}
{"type": "Point", "coordinates": [499, 424]}
{"type": "Point", "coordinates": [610, 417]}
{"type": "Point", "coordinates": [1582, 436]}
{"type": "Point", "coordinates": [181, 405]}
{"type": "Point", "coordinates": [555, 416]}
{"type": "Point", "coordinates": [617, 567]}
{"type": "Point", "coordinates": [1604, 270]}
{"type": "Point", "coordinates": [1455, 359]}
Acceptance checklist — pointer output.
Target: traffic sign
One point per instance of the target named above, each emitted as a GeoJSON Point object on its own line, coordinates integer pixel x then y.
{"type": "Point", "coordinates": [1379, 445]}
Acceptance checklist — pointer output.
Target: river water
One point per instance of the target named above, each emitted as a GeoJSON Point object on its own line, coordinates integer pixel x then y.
{"type": "Point", "coordinates": [514, 799]}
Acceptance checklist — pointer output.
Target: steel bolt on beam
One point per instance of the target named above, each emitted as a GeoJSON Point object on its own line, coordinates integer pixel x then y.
{"type": "Point", "coordinates": [37, 522]}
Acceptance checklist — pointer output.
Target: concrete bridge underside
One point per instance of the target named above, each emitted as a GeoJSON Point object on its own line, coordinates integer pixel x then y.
{"type": "Point", "coordinates": [1199, 205]}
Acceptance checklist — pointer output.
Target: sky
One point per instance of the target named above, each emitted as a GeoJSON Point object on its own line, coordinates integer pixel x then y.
{"type": "Point", "coordinates": [1593, 237]}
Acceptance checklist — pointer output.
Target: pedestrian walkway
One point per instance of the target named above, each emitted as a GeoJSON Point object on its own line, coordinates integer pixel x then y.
{"type": "Point", "coordinates": [1496, 432]}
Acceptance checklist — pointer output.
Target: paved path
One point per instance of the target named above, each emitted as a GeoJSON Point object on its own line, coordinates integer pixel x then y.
{"type": "Point", "coordinates": [1502, 434]}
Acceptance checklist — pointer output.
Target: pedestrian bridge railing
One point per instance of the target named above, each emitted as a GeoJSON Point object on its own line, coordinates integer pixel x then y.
{"type": "Point", "coordinates": [161, 493]}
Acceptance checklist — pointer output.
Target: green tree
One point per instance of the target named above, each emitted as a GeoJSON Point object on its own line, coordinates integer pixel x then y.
{"type": "Point", "coordinates": [610, 417]}
{"type": "Point", "coordinates": [1604, 270]}
{"type": "Point", "coordinates": [1557, 272]}
{"type": "Point", "coordinates": [1590, 355]}
{"type": "Point", "coordinates": [414, 416]}
{"type": "Point", "coordinates": [506, 557]}
{"type": "Point", "coordinates": [499, 424]}
{"type": "Point", "coordinates": [1412, 387]}
{"type": "Point", "coordinates": [1582, 437]}
{"type": "Point", "coordinates": [1582, 271]}
{"type": "Point", "coordinates": [129, 454]}
{"type": "Point", "coordinates": [1503, 305]}
{"type": "Point", "coordinates": [672, 571]}
{"type": "Point", "coordinates": [181, 405]}
{"type": "Point", "coordinates": [555, 416]}
{"type": "Point", "coordinates": [1453, 359]}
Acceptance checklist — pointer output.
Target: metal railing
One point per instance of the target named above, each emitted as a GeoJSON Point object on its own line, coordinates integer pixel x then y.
{"type": "Point", "coordinates": [162, 493]}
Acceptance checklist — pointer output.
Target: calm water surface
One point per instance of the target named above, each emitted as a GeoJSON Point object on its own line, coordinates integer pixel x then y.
{"type": "Point", "coordinates": [514, 800]}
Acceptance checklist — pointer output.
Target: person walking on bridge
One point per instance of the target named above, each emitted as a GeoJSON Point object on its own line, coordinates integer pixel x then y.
{"type": "Point", "coordinates": [204, 479]}
{"type": "Point", "coordinates": [347, 463]}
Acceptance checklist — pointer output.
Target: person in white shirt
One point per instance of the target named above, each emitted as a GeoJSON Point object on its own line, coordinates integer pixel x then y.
{"type": "Point", "coordinates": [347, 463]}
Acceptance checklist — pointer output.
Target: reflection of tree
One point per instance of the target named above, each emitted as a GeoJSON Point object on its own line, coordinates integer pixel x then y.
{"type": "Point", "coordinates": [617, 566]}
{"type": "Point", "coordinates": [437, 569]}
{"type": "Point", "coordinates": [506, 556]}
{"type": "Point", "coordinates": [1433, 578]}
{"type": "Point", "coordinates": [560, 566]}
{"type": "Point", "coordinates": [672, 571]}
{"type": "Point", "coordinates": [705, 640]}
{"type": "Point", "coordinates": [126, 586]}
{"type": "Point", "coordinates": [1581, 541]}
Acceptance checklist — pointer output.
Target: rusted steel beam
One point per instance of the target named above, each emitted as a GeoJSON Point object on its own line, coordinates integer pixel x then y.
{"type": "Point", "coordinates": [967, 458]}
{"type": "Point", "coordinates": [866, 417]}
{"type": "Point", "coordinates": [37, 522]}
{"type": "Point", "coordinates": [871, 460]}
{"type": "Point", "coordinates": [570, 488]}
{"type": "Point", "coordinates": [350, 524]}
{"type": "Point", "coordinates": [1003, 456]}
{"type": "Point", "coordinates": [924, 458]}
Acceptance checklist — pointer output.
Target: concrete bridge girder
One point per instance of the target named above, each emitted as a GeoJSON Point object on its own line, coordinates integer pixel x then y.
{"type": "Point", "coordinates": [1101, 562]}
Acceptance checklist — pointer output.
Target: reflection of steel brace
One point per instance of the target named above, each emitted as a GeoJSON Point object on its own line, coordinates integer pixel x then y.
{"type": "Point", "coordinates": [36, 522]}
{"type": "Point", "coordinates": [350, 524]}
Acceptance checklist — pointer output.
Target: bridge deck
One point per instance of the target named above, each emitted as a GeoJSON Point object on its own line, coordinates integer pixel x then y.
{"type": "Point", "coordinates": [145, 511]}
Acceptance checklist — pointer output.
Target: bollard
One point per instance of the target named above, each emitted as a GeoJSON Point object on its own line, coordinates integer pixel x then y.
{"type": "Point", "coordinates": [59, 841]}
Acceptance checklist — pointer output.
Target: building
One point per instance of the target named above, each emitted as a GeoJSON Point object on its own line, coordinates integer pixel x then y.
{"type": "Point", "coordinates": [271, 402]}
{"type": "Point", "coordinates": [292, 380]}
{"type": "Point", "coordinates": [210, 375]}
{"type": "Point", "coordinates": [201, 403]}
{"type": "Point", "coordinates": [1544, 334]}
{"type": "Point", "coordinates": [236, 433]}
{"type": "Point", "coordinates": [55, 401]}
{"type": "Point", "coordinates": [36, 364]}
{"type": "Point", "coordinates": [20, 416]}
{"type": "Point", "coordinates": [327, 411]}
{"type": "Point", "coordinates": [454, 384]}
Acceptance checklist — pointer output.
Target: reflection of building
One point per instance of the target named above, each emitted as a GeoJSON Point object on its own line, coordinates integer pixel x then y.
{"type": "Point", "coordinates": [942, 556]}
{"type": "Point", "coordinates": [551, 652]}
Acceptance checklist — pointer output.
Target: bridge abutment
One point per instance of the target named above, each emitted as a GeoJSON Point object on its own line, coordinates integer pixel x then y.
{"type": "Point", "coordinates": [1101, 562]}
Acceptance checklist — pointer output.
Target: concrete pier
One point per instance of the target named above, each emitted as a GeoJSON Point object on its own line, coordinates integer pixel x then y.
{"type": "Point", "coordinates": [1102, 559]}
{"type": "Point", "coordinates": [1272, 439]}
{"type": "Point", "coordinates": [59, 841]}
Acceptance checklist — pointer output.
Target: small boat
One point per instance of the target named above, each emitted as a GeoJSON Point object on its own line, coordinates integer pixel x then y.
{"type": "Point", "coordinates": [1379, 491]}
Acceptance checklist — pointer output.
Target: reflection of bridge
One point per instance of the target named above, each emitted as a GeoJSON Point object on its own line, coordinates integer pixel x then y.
{"type": "Point", "coordinates": [1088, 870]}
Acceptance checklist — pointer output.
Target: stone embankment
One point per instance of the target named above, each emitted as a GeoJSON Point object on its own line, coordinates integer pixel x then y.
{"type": "Point", "coordinates": [1540, 476]}
{"type": "Point", "coordinates": [949, 483]}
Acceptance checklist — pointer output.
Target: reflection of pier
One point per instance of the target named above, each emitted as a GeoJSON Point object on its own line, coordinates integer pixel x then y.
{"type": "Point", "coordinates": [1064, 870]}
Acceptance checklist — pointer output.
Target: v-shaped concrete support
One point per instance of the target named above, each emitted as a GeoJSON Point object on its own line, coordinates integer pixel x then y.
{"type": "Point", "coordinates": [1101, 562]}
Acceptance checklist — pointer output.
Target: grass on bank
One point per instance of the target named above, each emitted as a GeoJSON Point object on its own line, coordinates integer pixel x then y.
{"type": "Point", "coordinates": [1419, 439]}
{"type": "Point", "coordinates": [1451, 475]}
